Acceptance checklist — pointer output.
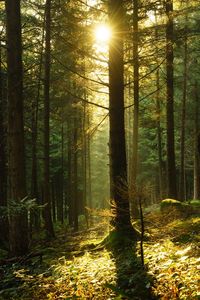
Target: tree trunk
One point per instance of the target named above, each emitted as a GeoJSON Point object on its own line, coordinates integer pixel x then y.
{"type": "Point", "coordinates": [35, 216]}
{"type": "Point", "coordinates": [182, 186]}
{"type": "Point", "coordinates": [3, 160]}
{"type": "Point", "coordinates": [60, 195]}
{"type": "Point", "coordinates": [196, 148]}
{"type": "Point", "coordinates": [16, 150]}
{"type": "Point", "coordinates": [119, 187]}
{"type": "Point", "coordinates": [89, 180]}
{"type": "Point", "coordinates": [158, 125]}
{"type": "Point", "coordinates": [47, 200]}
{"type": "Point", "coordinates": [84, 162]}
{"type": "Point", "coordinates": [171, 166]}
{"type": "Point", "coordinates": [53, 200]}
{"type": "Point", "coordinates": [69, 182]}
{"type": "Point", "coordinates": [134, 209]}
{"type": "Point", "coordinates": [75, 212]}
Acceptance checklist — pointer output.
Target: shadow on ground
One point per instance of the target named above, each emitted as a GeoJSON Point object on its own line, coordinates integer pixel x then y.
{"type": "Point", "coordinates": [132, 282]}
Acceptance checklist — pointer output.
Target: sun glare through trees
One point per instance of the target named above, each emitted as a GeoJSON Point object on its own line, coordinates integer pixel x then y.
{"type": "Point", "coordinates": [103, 34]}
{"type": "Point", "coordinates": [99, 149]}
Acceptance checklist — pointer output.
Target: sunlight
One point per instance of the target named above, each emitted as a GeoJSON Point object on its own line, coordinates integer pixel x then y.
{"type": "Point", "coordinates": [91, 2]}
{"type": "Point", "coordinates": [102, 33]}
{"type": "Point", "coordinates": [151, 16]}
{"type": "Point", "coordinates": [151, 19]}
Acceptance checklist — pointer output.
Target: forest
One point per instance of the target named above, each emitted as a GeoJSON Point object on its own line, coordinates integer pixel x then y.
{"type": "Point", "coordinates": [99, 149]}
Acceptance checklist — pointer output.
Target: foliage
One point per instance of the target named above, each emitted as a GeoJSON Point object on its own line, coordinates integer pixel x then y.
{"type": "Point", "coordinates": [73, 268]}
{"type": "Point", "coordinates": [16, 207]}
{"type": "Point", "coordinates": [172, 255]}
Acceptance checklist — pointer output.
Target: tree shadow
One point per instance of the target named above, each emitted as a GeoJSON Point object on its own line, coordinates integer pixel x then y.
{"type": "Point", "coordinates": [132, 280]}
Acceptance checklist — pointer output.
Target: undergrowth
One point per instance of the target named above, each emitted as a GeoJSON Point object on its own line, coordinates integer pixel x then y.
{"type": "Point", "coordinates": [77, 266]}
{"type": "Point", "coordinates": [172, 255]}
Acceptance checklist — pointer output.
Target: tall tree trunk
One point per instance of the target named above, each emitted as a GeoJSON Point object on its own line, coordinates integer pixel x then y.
{"type": "Point", "coordinates": [196, 147]}
{"type": "Point", "coordinates": [171, 166]}
{"type": "Point", "coordinates": [118, 165]}
{"type": "Point", "coordinates": [35, 216]}
{"type": "Point", "coordinates": [159, 136]}
{"type": "Point", "coordinates": [129, 118]}
{"type": "Point", "coordinates": [84, 162]}
{"type": "Point", "coordinates": [75, 211]}
{"type": "Point", "coordinates": [60, 206]}
{"type": "Point", "coordinates": [182, 186]}
{"type": "Point", "coordinates": [47, 199]}
{"type": "Point", "coordinates": [89, 179]}
{"type": "Point", "coordinates": [69, 182]}
{"type": "Point", "coordinates": [3, 160]}
{"type": "Point", "coordinates": [16, 150]}
{"type": "Point", "coordinates": [136, 107]}
{"type": "Point", "coordinates": [158, 125]}
{"type": "Point", "coordinates": [53, 199]}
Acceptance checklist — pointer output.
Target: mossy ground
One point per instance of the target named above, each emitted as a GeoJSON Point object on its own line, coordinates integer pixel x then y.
{"type": "Point", "coordinates": [78, 266]}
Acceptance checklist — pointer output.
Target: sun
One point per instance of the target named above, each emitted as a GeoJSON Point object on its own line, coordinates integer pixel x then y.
{"type": "Point", "coordinates": [102, 33]}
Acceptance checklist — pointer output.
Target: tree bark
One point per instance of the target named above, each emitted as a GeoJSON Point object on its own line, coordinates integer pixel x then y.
{"type": "Point", "coordinates": [16, 150]}
{"type": "Point", "coordinates": [118, 165]}
{"type": "Point", "coordinates": [134, 209]}
{"type": "Point", "coordinates": [69, 169]}
{"type": "Point", "coordinates": [84, 162]}
{"type": "Point", "coordinates": [60, 199]}
{"type": "Point", "coordinates": [35, 216]}
{"type": "Point", "coordinates": [182, 186]}
{"type": "Point", "coordinates": [196, 147]}
{"type": "Point", "coordinates": [3, 159]}
{"type": "Point", "coordinates": [75, 211]}
{"type": "Point", "coordinates": [158, 125]}
{"type": "Point", "coordinates": [171, 166]}
{"type": "Point", "coordinates": [47, 200]}
{"type": "Point", "coordinates": [89, 184]}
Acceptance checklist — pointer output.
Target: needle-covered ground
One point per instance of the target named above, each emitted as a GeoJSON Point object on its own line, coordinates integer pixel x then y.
{"type": "Point", "coordinates": [172, 255]}
{"type": "Point", "coordinates": [78, 266]}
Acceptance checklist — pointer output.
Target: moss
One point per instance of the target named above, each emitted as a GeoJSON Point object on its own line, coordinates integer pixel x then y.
{"type": "Point", "coordinates": [195, 203]}
{"type": "Point", "coordinates": [168, 204]}
{"type": "Point", "coordinates": [174, 208]}
{"type": "Point", "coordinates": [117, 239]}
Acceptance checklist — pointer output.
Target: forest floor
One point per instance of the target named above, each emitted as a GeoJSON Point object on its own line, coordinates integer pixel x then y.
{"type": "Point", "coordinates": [77, 266]}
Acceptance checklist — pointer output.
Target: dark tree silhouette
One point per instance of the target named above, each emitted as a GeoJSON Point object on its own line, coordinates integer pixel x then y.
{"type": "Point", "coordinates": [171, 166]}
{"type": "Point", "coordinates": [47, 199]}
{"type": "Point", "coordinates": [3, 157]}
{"type": "Point", "coordinates": [118, 164]}
{"type": "Point", "coordinates": [16, 149]}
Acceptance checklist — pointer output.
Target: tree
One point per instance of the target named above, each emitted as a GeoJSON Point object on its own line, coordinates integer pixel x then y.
{"type": "Point", "coordinates": [171, 166]}
{"type": "Point", "coordinates": [196, 146]}
{"type": "Point", "coordinates": [3, 158]}
{"type": "Point", "coordinates": [16, 149]}
{"type": "Point", "coordinates": [118, 164]}
{"type": "Point", "coordinates": [182, 187]}
{"type": "Point", "coordinates": [158, 119]}
{"type": "Point", "coordinates": [47, 199]}
{"type": "Point", "coordinates": [136, 103]}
